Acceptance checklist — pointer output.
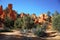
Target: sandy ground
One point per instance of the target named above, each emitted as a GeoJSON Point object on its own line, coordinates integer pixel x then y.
{"type": "Point", "coordinates": [17, 35]}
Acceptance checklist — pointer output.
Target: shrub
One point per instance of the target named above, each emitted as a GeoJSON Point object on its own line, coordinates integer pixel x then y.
{"type": "Point", "coordinates": [40, 33]}
{"type": "Point", "coordinates": [8, 24]}
{"type": "Point", "coordinates": [25, 22]}
{"type": "Point", "coordinates": [56, 22]}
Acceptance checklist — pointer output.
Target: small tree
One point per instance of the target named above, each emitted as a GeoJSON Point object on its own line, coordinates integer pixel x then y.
{"type": "Point", "coordinates": [18, 23]}
{"type": "Point", "coordinates": [24, 22]}
{"type": "Point", "coordinates": [55, 13]}
{"type": "Point", "coordinates": [44, 26]}
{"type": "Point", "coordinates": [8, 23]}
{"type": "Point", "coordinates": [56, 22]}
{"type": "Point", "coordinates": [40, 31]}
{"type": "Point", "coordinates": [49, 17]}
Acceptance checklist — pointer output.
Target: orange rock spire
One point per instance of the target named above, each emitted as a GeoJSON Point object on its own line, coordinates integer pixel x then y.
{"type": "Point", "coordinates": [10, 6]}
{"type": "Point", "coordinates": [12, 13]}
{"type": "Point", "coordinates": [1, 10]}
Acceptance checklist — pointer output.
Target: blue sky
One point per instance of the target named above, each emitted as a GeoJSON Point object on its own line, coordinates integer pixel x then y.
{"type": "Point", "coordinates": [33, 6]}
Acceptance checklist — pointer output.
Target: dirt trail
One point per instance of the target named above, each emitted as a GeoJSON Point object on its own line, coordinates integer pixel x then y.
{"type": "Point", "coordinates": [17, 35]}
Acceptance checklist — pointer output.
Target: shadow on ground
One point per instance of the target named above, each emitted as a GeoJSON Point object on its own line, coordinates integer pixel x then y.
{"type": "Point", "coordinates": [15, 37]}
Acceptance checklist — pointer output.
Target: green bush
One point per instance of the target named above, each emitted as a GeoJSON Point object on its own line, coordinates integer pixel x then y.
{"type": "Point", "coordinates": [56, 23]}
{"type": "Point", "coordinates": [40, 33]}
{"type": "Point", "coordinates": [8, 24]}
{"type": "Point", "coordinates": [24, 23]}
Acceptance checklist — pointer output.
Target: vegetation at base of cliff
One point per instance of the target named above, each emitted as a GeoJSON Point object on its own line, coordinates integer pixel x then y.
{"type": "Point", "coordinates": [23, 21]}
{"type": "Point", "coordinates": [40, 33]}
{"type": "Point", "coordinates": [56, 23]}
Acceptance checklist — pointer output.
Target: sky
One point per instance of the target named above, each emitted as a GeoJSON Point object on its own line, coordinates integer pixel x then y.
{"type": "Point", "coordinates": [33, 6]}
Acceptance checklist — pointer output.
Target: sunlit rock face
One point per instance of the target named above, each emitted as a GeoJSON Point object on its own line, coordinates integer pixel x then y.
{"type": "Point", "coordinates": [12, 13]}
{"type": "Point", "coordinates": [10, 6]}
{"type": "Point", "coordinates": [36, 21]}
{"type": "Point", "coordinates": [1, 10]}
{"type": "Point", "coordinates": [22, 15]}
{"type": "Point", "coordinates": [2, 17]}
{"type": "Point", "coordinates": [34, 16]}
{"type": "Point", "coordinates": [42, 18]}
{"type": "Point", "coordinates": [2, 13]}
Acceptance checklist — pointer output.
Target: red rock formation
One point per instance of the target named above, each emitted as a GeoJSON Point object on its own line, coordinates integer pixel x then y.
{"type": "Point", "coordinates": [2, 13]}
{"type": "Point", "coordinates": [36, 21]}
{"type": "Point", "coordinates": [12, 13]}
{"type": "Point", "coordinates": [10, 6]}
{"type": "Point", "coordinates": [34, 16]}
{"type": "Point", "coordinates": [22, 15]}
{"type": "Point", "coordinates": [42, 18]}
{"type": "Point", "coordinates": [1, 10]}
{"type": "Point", "coordinates": [2, 17]}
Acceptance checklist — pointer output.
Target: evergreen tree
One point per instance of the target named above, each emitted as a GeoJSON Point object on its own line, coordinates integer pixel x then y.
{"type": "Point", "coordinates": [9, 24]}
{"type": "Point", "coordinates": [55, 13]}
{"type": "Point", "coordinates": [25, 22]}
{"type": "Point", "coordinates": [56, 22]}
{"type": "Point", "coordinates": [49, 17]}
